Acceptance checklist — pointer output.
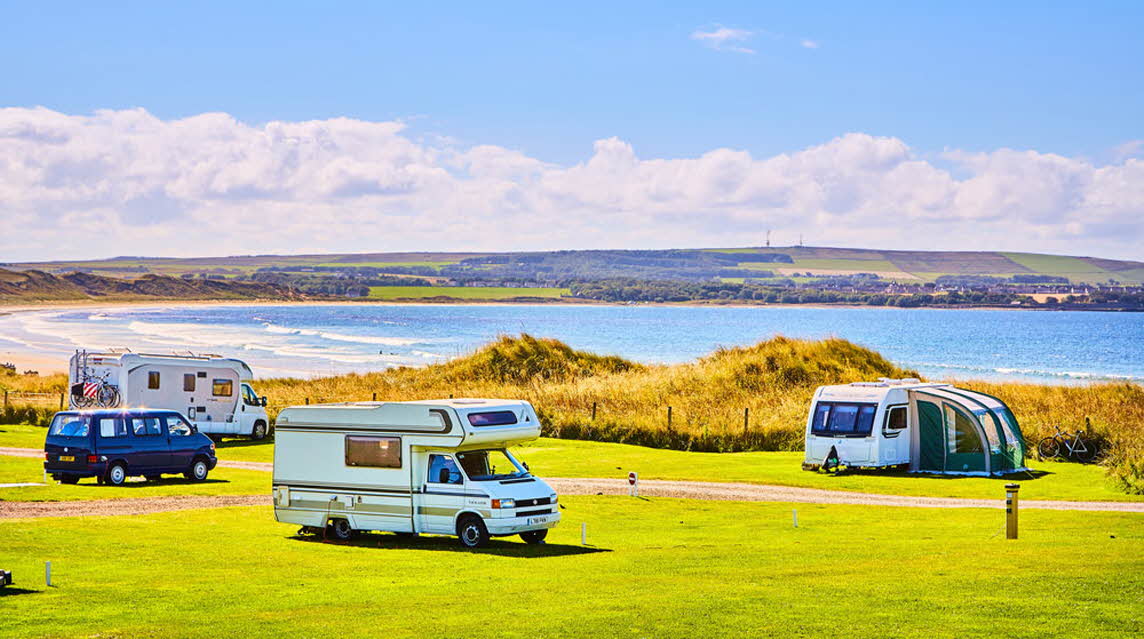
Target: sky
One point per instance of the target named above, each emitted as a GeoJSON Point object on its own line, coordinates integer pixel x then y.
{"type": "Point", "coordinates": [211, 129]}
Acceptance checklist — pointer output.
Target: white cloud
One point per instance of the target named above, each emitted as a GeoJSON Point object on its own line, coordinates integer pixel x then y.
{"type": "Point", "coordinates": [809, 44]}
{"type": "Point", "coordinates": [129, 183]}
{"type": "Point", "coordinates": [724, 39]}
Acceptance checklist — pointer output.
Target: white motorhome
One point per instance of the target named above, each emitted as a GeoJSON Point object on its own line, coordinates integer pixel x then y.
{"type": "Point", "coordinates": [931, 428]}
{"type": "Point", "coordinates": [214, 392]}
{"type": "Point", "coordinates": [440, 467]}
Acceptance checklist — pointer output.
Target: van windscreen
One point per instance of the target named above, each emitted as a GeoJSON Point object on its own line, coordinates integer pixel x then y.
{"type": "Point", "coordinates": [494, 418]}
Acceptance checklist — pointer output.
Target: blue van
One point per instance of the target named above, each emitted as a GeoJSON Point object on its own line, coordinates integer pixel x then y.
{"type": "Point", "coordinates": [114, 444]}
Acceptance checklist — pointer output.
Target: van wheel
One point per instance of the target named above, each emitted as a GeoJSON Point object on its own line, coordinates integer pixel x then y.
{"type": "Point", "coordinates": [259, 432]}
{"type": "Point", "coordinates": [65, 479]}
{"type": "Point", "coordinates": [341, 529]}
{"type": "Point", "coordinates": [117, 474]}
{"type": "Point", "coordinates": [198, 471]}
{"type": "Point", "coordinates": [534, 536]}
{"type": "Point", "coordinates": [472, 532]}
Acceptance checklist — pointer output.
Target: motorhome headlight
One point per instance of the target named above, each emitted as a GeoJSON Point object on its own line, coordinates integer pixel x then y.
{"type": "Point", "coordinates": [504, 503]}
{"type": "Point", "coordinates": [552, 498]}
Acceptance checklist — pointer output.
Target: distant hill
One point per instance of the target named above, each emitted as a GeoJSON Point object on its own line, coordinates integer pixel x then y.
{"type": "Point", "coordinates": [687, 264]}
{"type": "Point", "coordinates": [38, 286]}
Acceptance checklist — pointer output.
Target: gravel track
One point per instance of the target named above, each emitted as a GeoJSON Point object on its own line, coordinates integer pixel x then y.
{"type": "Point", "coordinates": [562, 485]}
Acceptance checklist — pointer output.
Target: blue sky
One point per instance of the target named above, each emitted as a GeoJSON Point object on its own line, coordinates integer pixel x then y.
{"type": "Point", "coordinates": [547, 78]}
{"type": "Point", "coordinates": [993, 91]}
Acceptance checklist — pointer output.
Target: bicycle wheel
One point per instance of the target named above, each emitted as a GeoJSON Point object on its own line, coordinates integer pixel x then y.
{"type": "Point", "coordinates": [1085, 451]}
{"type": "Point", "coordinates": [108, 396]}
{"type": "Point", "coordinates": [1049, 448]}
{"type": "Point", "coordinates": [81, 401]}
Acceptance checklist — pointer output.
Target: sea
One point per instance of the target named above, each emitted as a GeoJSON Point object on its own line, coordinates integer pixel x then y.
{"type": "Point", "coordinates": [314, 340]}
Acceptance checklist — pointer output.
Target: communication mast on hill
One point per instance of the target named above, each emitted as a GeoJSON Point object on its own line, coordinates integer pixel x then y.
{"type": "Point", "coordinates": [800, 239]}
{"type": "Point", "coordinates": [768, 238]}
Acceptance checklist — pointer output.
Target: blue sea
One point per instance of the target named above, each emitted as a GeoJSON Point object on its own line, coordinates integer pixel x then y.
{"type": "Point", "coordinates": [317, 340]}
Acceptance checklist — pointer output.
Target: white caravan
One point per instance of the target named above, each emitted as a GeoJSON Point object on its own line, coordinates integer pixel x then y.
{"type": "Point", "coordinates": [440, 467]}
{"type": "Point", "coordinates": [214, 392]}
{"type": "Point", "coordinates": [931, 428]}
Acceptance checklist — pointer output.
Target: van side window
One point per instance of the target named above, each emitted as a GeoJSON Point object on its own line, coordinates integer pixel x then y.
{"type": "Point", "coordinates": [895, 420]}
{"type": "Point", "coordinates": [376, 452]}
{"type": "Point", "coordinates": [222, 388]}
{"type": "Point", "coordinates": [146, 426]}
{"type": "Point", "coordinates": [177, 426]}
{"type": "Point", "coordinates": [189, 382]}
{"type": "Point", "coordinates": [110, 427]}
{"type": "Point", "coordinates": [442, 467]}
{"type": "Point", "coordinates": [153, 380]}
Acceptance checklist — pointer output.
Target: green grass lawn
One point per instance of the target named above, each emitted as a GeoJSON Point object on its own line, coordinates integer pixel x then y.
{"type": "Point", "coordinates": [462, 292]}
{"type": "Point", "coordinates": [221, 481]}
{"type": "Point", "coordinates": [655, 568]}
{"type": "Point", "coordinates": [575, 458]}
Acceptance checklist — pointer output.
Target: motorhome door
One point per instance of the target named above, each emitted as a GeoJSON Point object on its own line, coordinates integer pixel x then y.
{"type": "Point", "coordinates": [442, 493]}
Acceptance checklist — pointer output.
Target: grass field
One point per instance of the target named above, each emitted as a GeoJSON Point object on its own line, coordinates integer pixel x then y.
{"type": "Point", "coordinates": [462, 292]}
{"type": "Point", "coordinates": [654, 568]}
{"type": "Point", "coordinates": [573, 458]}
{"type": "Point", "coordinates": [221, 481]}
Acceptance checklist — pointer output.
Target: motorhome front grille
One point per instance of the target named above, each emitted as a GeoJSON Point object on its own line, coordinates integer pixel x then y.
{"type": "Point", "coordinates": [529, 513]}
{"type": "Point", "coordinates": [539, 501]}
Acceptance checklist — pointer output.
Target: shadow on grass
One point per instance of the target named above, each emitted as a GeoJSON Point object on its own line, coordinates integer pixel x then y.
{"type": "Point", "coordinates": [1025, 475]}
{"type": "Point", "coordinates": [243, 443]}
{"type": "Point", "coordinates": [496, 546]}
{"type": "Point", "coordinates": [166, 481]}
{"type": "Point", "coordinates": [9, 591]}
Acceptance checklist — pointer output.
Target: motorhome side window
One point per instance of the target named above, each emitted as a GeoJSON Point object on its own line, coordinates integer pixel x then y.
{"type": "Point", "coordinates": [843, 419]}
{"type": "Point", "coordinates": [493, 418]}
{"type": "Point", "coordinates": [153, 380]}
{"type": "Point", "coordinates": [189, 382]}
{"type": "Point", "coordinates": [376, 452]}
{"type": "Point", "coordinates": [222, 388]}
{"type": "Point", "coordinates": [443, 470]}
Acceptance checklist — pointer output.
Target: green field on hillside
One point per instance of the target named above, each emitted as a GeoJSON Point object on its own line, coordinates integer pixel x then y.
{"type": "Point", "coordinates": [1075, 269]}
{"type": "Point", "coordinates": [462, 292]}
{"type": "Point", "coordinates": [653, 568]}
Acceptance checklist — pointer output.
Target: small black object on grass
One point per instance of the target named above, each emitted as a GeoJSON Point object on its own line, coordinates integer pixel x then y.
{"type": "Point", "coordinates": [5, 578]}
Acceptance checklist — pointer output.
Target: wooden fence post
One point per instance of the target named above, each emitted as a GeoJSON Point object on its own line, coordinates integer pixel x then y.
{"type": "Point", "coordinates": [61, 401]}
{"type": "Point", "coordinates": [593, 411]}
{"type": "Point", "coordinates": [375, 396]}
{"type": "Point", "coordinates": [669, 418]}
{"type": "Point", "coordinates": [746, 420]}
{"type": "Point", "coordinates": [307, 401]}
{"type": "Point", "coordinates": [5, 399]}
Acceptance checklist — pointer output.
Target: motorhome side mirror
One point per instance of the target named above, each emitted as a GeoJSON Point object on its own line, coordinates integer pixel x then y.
{"type": "Point", "coordinates": [525, 464]}
{"type": "Point", "coordinates": [443, 476]}
{"type": "Point", "coordinates": [262, 401]}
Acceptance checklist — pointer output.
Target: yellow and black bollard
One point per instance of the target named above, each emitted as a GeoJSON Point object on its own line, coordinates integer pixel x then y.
{"type": "Point", "coordinates": [1011, 510]}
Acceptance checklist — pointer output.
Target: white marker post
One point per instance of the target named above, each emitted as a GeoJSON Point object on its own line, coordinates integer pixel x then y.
{"type": "Point", "coordinates": [48, 573]}
{"type": "Point", "coordinates": [584, 533]}
{"type": "Point", "coordinates": [634, 483]}
{"type": "Point", "coordinates": [794, 514]}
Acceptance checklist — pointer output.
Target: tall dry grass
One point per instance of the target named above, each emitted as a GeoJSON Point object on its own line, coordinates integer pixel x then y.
{"type": "Point", "coordinates": [748, 398]}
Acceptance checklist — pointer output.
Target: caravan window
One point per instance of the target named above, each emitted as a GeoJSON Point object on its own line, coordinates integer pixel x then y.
{"type": "Point", "coordinates": [840, 419]}
{"type": "Point", "coordinates": [222, 388]}
{"type": "Point", "coordinates": [895, 420]}
{"type": "Point", "coordinates": [153, 380]}
{"type": "Point", "coordinates": [376, 452]}
{"type": "Point", "coordinates": [189, 382]}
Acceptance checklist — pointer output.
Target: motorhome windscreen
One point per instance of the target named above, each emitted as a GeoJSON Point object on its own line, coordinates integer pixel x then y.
{"type": "Point", "coordinates": [843, 419]}
{"type": "Point", "coordinates": [493, 418]}
{"type": "Point", "coordinates": [65, 425]}
{"type": "Point", "coordinates": [488, 465]}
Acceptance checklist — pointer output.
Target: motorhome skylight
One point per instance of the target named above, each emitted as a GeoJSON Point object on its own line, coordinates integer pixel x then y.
{"type": "Point", "coordinates": [493, 418]}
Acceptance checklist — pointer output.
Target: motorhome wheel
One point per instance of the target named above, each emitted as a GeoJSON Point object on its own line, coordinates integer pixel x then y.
{"type": "Point", "coordinates": [472, 532]}
{"type": "Point", "coordinates": [534, 536]}
{"type": "Point", "coordinates": [341, 530]}
{"type": "Point", "coordinates": [259, 430]}
{"type": "Point", "coordinates": [117, 474]}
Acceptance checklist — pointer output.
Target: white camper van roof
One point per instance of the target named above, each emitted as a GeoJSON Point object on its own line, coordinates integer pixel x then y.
{"type": "Point", "coordinates": [124, 357]}
{"type": "Point", "coordinates": [425, 416]}
{"type": "Point", "coordinates": [872, 391]}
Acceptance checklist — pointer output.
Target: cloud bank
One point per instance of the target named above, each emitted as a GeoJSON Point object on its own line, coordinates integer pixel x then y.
{"type": "Point", "coordinates": [724, 39]}
{"type": "Point", "coordinates": [129, 183]}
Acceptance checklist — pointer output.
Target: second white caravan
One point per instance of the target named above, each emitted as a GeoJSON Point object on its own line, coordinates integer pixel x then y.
{"type": "Point", "coordinates": [439, 467]}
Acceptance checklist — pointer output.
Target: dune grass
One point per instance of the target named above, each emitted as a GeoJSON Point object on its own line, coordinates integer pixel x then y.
{"type": "Point", "coordinates": [655, 568]}
{"type": "Point", "coordinates": [735, 399]}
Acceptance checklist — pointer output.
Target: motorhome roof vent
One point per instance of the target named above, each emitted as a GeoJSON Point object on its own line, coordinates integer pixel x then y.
{"type": "Point", "coordinates": [870, 384]}
{"type": "Point", "coordinates": [468, 401]}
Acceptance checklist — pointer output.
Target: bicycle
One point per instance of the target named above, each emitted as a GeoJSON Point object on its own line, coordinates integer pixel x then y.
{"type": "Point", "coordinates": [1078, 448]}
{"type": "Point", "coordinates": [106, 395]}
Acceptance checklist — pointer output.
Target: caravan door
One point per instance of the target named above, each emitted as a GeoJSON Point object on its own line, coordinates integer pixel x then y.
{"type": "Point", "coordinates": [895, 436]}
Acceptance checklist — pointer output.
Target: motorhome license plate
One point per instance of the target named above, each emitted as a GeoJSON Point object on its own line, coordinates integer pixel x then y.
{"type": "Point", "coordinates": [67, 458]}
{"type": "Point", "coordinates": [533, 521]}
